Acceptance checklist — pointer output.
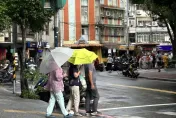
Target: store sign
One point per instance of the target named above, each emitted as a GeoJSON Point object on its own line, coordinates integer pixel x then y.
{"type": "Point", "coordinates": [2, 37]}
{"type": "Point", "coordinates": [31, 44]}
{"type": "Point", "coordinates": [165, 48]}
{"type": "Point", "coordinates": [147, 49]}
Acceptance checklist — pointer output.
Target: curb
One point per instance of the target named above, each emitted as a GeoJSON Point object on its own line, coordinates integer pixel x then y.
{"type": "Point", "coordinates": [155, 78]}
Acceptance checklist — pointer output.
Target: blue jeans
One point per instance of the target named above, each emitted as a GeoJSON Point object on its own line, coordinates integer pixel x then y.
{"type": "Point", "coordinates": [60, 100]}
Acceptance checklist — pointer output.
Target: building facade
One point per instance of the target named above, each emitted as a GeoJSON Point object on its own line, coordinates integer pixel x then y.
{"type": "Point", "coordinates": [99, 22]}
{"type": "Point", "coordinates": [144, 31]}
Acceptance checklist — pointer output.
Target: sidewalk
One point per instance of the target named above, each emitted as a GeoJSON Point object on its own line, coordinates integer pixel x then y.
{"type": "Point", "coordinates": [12, 106]}
{"type": "Point", "coordinates": [164, 75]}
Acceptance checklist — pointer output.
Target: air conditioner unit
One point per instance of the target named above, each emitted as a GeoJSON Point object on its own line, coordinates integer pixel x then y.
{"type": "Point", "coordinates": [140, 25]}
{"type": "Point", "coordinates": [154, 24]}
{"type": "Point", "coordinates": [130, 14]}
{"type": "Point", "coordinates": [108, 13]}
{"type": "Point", "coordinates": [138, 12]}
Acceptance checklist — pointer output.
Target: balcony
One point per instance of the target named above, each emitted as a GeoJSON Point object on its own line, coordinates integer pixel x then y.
{"type": "Point", "coordinates": [110, 35]}
{"type": "Point", "coordinates": [28, 35]}
{"type": "Point", "coordinates": [112, 7]}
{"type": "Point", "coordinates": [110, 25]}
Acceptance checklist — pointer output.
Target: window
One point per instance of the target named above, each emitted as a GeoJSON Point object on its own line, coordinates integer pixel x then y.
{"type": "Point", "coordinates": [139, 38]}
{"type": "Point", "coordinates": [96, 33]}
{"type": "Point", "coordinates": [101, 1]}
{"type": "Point", "coordinates": [84, 2]}
{"type": "Point", "coordinates": [131, 23]}
{"type": "Point", "coordinates": [138, 7]}
{"type": "Point", "coordinates": [110, 2]}
{"type": "Point", "coordinates": [85, 31]}
{"type": "Point", "coordinates": [84, 11]}
{"type": "Point", "coordinates": [84, 14]}
{"type": "Point", "coordinates": [114, 2]}
{"type": "Point", "coordinates": [132, 37]}
{"type": "Point", "coordinates": [140, 23]}
{"type": "Point", "coordinates": [97, 10]}
{"type": "Point", "coordinates": [104, 51]}
{"type": "Point", "coordinates": [47, 28]}
{"type": "Point", "coordinates": [47, 4]}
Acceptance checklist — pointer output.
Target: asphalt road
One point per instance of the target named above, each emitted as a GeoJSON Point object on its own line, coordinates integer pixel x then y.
{"type": "Point", "coordinates": [120, 97]}
{"type": "Point", "coordinates": [123, 97]}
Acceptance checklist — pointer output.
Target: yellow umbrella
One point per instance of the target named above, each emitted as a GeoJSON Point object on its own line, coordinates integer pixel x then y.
{"type": "Point", "coordinates": [82, 56]}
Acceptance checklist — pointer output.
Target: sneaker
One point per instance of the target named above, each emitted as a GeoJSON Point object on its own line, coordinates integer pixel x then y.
{"type": "Point", "coordinates": [50, 116]}
{"type": "Point", "coordinates": [68, 116]}
{"type": "Point", "coordinates": [96, 113]}
{"type": "Point", "coordinates": [87, 114]}
{"type": "Point", "coordinates": [78, 114]}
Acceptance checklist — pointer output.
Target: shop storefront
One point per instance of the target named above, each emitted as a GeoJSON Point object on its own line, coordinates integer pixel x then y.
{"type": "Point", "coordinates": [123, 49]}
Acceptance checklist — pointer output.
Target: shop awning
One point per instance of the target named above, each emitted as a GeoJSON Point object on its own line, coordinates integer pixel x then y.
{"type": "Point", "coordinates": [125, 47]}
{"type": "Point", "coordinates": [110, 45]}
{"type": "Point", "coordinates": [82, 45]}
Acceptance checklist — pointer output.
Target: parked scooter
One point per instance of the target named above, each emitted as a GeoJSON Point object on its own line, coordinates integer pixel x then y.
{"type": "Point", "coordinates": [130, 70]}
{"type": "Point", "coordinates": [31, 65]}
{"type": "Point", "coordinates": [6, 74]}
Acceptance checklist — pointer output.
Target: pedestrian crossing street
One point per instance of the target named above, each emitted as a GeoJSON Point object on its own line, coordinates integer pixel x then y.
{"type": "Point", "coordinates": [167, 114]}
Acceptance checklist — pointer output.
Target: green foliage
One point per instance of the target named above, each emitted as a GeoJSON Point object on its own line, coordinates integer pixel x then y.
{"type": "Point", "coordinates": [35, 76]}
{"type": "Point", "coordinates": [28, 14]}
{"type": "Point", "coordinates": [29, 94]}
{"type": "Point", "coordinates": [5, 20]}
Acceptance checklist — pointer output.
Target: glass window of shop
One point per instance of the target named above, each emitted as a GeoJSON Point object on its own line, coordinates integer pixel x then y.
{"type": "Point", "coordinates": [140, 38]}
{"type": "Point", "coordinates": [104, 51]}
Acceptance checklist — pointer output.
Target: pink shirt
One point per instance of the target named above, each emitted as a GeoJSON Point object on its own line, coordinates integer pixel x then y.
{"type": "Point", "coordinates": [55, 81]}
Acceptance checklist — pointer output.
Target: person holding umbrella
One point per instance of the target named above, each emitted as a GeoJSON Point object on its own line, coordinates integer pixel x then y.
{"type": "Point", "coordinates": [74, 83]}
{"type": "Point", "coordinates": [86, 57]}
{"type": "Point", "coordinates": [51, 64]}
{"type": "Point", "coordinates": [56, 87]}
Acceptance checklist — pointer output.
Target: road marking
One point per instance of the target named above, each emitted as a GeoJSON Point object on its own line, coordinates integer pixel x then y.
{"type": "Point", "coordinates": [168, 113]}
{"type": "Point", "coordinates": [143, 88]}
{"type": "Point", "coordinates": [28, 112]}
{"type": "Point", "coordinates": [141, 106]}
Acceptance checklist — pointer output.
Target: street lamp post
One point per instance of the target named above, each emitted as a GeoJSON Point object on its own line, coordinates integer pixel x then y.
{"type": "Point", "coordinates": [56, 5]}
{"type": "Point", "coordinates": [127, 26]}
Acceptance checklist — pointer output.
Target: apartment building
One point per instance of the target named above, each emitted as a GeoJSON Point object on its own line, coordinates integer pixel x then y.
{"type": "Point", "coordinates": [144, 31]}
{"type": "Point", "coordinates": [97, 25]}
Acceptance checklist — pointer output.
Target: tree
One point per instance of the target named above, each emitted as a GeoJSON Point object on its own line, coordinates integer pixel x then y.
{"type": "Point", "coordinates": [5, 21]}
{"type": "Point", "coordinates": [164, 11]}
{"type": "Point", "coordinates": [28, 14]}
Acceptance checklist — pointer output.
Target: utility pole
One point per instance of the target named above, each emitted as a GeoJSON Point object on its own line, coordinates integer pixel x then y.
{"type": "Point", "coordinates": [56, 25]}
{"type": "Point", "coordinates": [127, 26]}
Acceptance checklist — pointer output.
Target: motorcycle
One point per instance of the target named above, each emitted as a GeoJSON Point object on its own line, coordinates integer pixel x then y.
{"type": "Point", "coordinates": [130, 70]}
{"type": "Point", "coordinates": [6, 75]}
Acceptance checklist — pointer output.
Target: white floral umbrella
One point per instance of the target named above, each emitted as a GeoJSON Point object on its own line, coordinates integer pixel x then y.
{"type": "Point", "coordinates": [55, 59]}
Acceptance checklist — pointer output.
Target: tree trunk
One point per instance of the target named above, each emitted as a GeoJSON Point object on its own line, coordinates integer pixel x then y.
{"type": "Point", "coordinates": [24, 82]}
{"type": "Point", "coordinates": [174, 46]}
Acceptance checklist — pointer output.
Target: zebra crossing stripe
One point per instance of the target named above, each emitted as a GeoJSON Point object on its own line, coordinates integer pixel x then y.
{"type": "Point", "coordinates": [142, 106]}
